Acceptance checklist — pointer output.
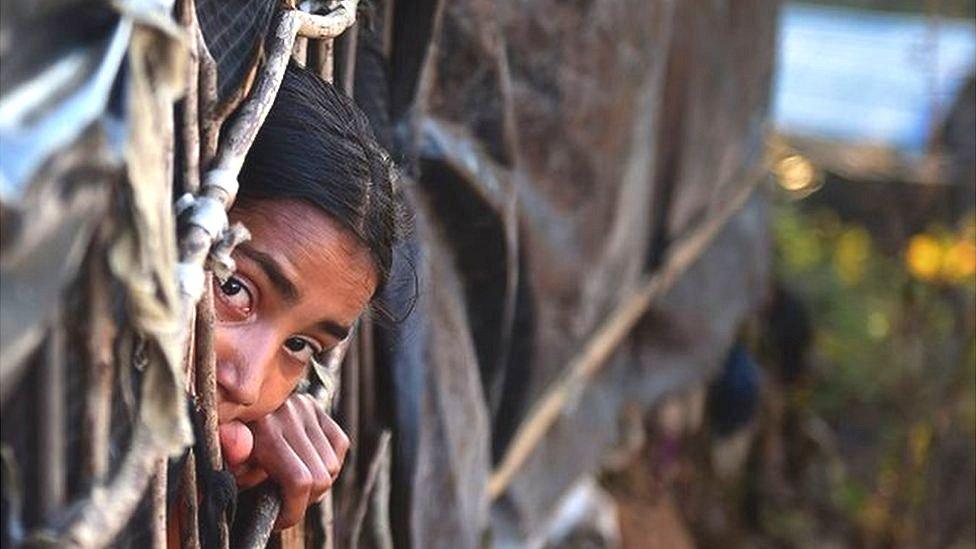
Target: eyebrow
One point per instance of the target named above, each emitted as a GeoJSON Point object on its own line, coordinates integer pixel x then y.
{"type": "Point", "coordinates": [288, 290]}
{"type": "Point", "coordinates": [273, 271]}
{"type": "Point", "coordinates": [334, 329]}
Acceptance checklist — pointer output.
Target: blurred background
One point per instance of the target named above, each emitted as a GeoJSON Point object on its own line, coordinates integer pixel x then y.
{"type": "Point", "coordinates": [862, 368]}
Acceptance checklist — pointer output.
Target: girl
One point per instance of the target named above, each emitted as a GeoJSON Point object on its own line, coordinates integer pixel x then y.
{"type": "Point", "coordinates": [319, 197]}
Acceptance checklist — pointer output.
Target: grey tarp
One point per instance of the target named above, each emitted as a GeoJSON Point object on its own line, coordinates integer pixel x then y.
{"type": "Point", "coordinates": [560, 148]}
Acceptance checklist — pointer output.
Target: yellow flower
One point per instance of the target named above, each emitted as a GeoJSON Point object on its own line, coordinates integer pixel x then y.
{"type": "Point", "coordinates": [924, 257]}
{"type": "Point", "coordinates": [959, 262]}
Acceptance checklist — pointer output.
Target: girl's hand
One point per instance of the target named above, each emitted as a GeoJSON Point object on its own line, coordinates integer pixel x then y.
{"type": "Point", "coordinates": [298, 446]}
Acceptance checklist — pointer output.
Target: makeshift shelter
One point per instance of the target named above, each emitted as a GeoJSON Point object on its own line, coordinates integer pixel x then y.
{"type": "Point", "coordinates": [587, 239]}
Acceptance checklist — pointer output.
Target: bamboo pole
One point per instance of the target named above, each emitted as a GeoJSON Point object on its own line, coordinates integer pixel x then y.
{"type": "Point", "coordinates": [607, 338]}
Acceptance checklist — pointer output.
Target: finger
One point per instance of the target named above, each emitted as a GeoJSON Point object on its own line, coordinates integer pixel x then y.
{"type": "Point", "coordinates": [338, 439]}
{"type": "Point", "coordinates": [236, 443]}
{"type": "Point", "coordinates": [324, 449]}
{"type": "Point", "coordinates": [309, 454]}
{"type": "Point", "coordinates": [250, 476]}
{"type": "Point", "coordinates": [289, 472]}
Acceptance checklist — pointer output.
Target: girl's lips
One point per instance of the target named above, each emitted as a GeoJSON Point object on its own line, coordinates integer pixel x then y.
{"type": "Point", "coordinates": [236, 443]}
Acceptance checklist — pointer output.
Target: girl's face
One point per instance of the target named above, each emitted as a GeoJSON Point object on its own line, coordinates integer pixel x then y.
{"type": "Point", "coordinates": [301, 283]}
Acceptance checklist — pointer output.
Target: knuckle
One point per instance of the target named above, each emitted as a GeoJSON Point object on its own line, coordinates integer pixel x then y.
{"type": "Point", "coordinates": [334, 470]}
{"type": "Point", "coordinates": [323, 483]}
{"type": "Point", "coordinates": [341, 446]}
{"type": "Point", "coordinates": [300, 479]}
{"type": "Point", "coordinates": [306, 401]}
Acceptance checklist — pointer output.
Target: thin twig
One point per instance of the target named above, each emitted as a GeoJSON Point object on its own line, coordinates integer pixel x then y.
{"type": "Point", "coordinates": [610, 334]}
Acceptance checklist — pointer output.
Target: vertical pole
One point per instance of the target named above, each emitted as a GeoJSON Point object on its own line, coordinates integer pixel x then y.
{"type": "Point", "coordinates": [101, 375]}
{"type": "Point", "coordinates": [326, 69]}
{"type": "Point", "coordinates": [189, 529]}
{"type": "Point", "coordinates": [299, 51]}
{"type": "Point", "coordinates": [158, 495]}
{"type": "Point", "coordinates": [326, 55]}
{"type": "Point", "coordinates": [386, 39]}
{"type": "Point", "coordinates": [206, 377]}
{"type": "Point", "coordinates": [350, 40]}
{"type": "Point", "coordinates": [190, 116]}
{"type": "Point", "coordinates": [51, 438]}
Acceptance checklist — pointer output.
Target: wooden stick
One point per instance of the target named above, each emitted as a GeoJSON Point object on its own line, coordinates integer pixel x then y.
{"type": "Point", "coordinates": [189, 529]}
{"type": "Point", "coordinates": [52, 432]}
{"type": "Point", "coordinates": [266, 509]}
{"type": "Point", "coordinates": [326, 59]}
{"type": "Point", "coordinates": [321, 27]}
{"type": "Point", "coordinates": [299, 51]}
{"type": "Point", "coordinates": [191, 118]}
{"type": "Point", "coordinates": [351, 39]}
{"type": "Point", "coordinates": [158, 496]}
{"type": "Point", "coordinates": [101, 374]}
{"type": "Point", "coordinates": [209, 123]}
{"type": "Point", "coordinates": [610, 334]}
{"type": "Point", "coordinates": [98, 519]}
{"type": "Point", "coordinates": [244, 127]}
{"type": "Point", "coordinates": [386, 38]}
{"type": "Point", "coordinates": [206, 377]}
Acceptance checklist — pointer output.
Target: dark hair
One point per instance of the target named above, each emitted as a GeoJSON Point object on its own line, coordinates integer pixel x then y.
{"type": "Point", "coordinates": [316, 145]}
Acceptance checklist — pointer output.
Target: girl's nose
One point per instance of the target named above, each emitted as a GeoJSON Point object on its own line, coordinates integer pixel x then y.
{"type": "Point", "coordinates": [243, 356]}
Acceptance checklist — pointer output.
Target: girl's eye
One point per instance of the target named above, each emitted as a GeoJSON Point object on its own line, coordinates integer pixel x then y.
{"type": "Point", "coordinates": [234, 293]}
{"type": "Point", "coordinates": [303, 349]}
{"type": "Point", "coordinates": [232, 286]}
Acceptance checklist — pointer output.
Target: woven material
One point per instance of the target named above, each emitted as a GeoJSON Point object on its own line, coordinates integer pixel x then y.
{"type": "Point", "coordinates": [234, 31]}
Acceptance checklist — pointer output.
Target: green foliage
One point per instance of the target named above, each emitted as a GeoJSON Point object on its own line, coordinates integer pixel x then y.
{"type": "Point", "coordinates": [893, 367]}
